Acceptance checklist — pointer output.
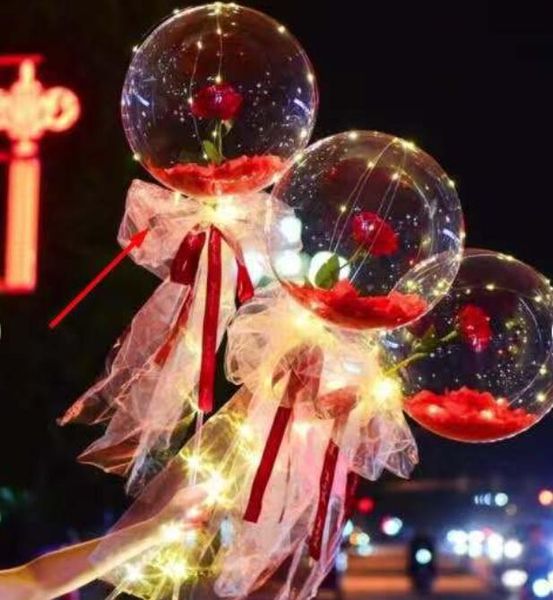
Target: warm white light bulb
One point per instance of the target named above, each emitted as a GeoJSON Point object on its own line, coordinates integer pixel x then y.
{"type": "Point", "coordinates": [194, 462]}
{"type": "Point", "coordinates": [171, 532]}
{"type": "Point", "coordinates": [176, 569]}
{"type": "Point", "coordinates": [215, 486]}
{"type": "Point", "coordinates": [320, 259]}
{"type": "Point", "coordinates": [385, 389]}
{"type": "Point", "coordinates": [290, 228]}
{"type": "Point", "coordinates": [288, 264]}
{"type": "Point", "coordinates": [255, 263]}
{"type": "Point", "coordinates": [133, 573]}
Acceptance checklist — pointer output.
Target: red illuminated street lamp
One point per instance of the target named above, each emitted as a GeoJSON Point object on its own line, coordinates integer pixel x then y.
{"type": "Point", "coordinates": [27, 112]}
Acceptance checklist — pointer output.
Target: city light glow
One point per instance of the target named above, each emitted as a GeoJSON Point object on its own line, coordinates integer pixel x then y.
{"type": "Point", "coordinates": [392, 526]}
{"type": "Point", "coordinates": [365, 505]}
{"type": "Point", "coordinates": [423, 556]}
{"type": "Point", "coordinates": [541, 588]}
{"type": "Point", "coordinates": [545, 498]}
{"type": "Point", "coordinates": [513, 549]}
{"type": "Point", "coordinates": [514, 578]}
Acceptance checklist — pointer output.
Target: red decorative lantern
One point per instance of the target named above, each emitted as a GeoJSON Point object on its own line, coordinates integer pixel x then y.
{"type": "Point", "coordinates": [27, 112]}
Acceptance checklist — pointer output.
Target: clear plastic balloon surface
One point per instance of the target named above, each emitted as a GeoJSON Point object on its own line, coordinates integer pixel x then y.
{"type": "Point", "coordinates": [376, 235]}
{"type": "Point", "coordinates": [218, 99]}
{"type": "Point", "coordinates": [479, 367]}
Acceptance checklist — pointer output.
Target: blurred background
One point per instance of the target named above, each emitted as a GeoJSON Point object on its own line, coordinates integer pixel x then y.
{"type": "Point", "coordinates": [470, 83]}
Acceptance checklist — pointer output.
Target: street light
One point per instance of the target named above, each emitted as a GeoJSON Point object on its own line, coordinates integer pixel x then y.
{"type": "Point", "coordinates": [545, 498]}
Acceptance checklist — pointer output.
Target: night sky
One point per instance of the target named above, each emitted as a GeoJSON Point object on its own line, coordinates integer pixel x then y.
{"type": "Point", "coordinates": [470, 82]}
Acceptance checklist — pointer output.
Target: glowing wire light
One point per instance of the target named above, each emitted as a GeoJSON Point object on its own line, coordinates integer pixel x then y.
{"type": "Point", "coordinates": [172, 532]}
{"type": "Point", "coordinates": [27, 112]}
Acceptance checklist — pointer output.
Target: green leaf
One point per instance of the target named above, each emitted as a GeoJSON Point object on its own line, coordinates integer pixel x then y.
{"type": "Point", "coordinates": [264, 281]}
{"type": "Point", "coordinates": [211, 151]}
{"type": "Point", "coordinates": [329, 273]}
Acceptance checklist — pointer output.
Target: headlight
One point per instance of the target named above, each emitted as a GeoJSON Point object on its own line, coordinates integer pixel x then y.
{"type": "Point", "coordinates": [541, 588]}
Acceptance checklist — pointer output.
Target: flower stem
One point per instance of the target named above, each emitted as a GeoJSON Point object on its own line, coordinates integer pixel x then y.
{"type": "Point", "coordinates": [353, 257]}
{"type": "Point", "coordinates": [405, 363]}
{"type": "Point", "coordinates": [220, 139]}
{"type": "Point", "coordinates": [446, 339]}
{"type": "Point", "coordinates": [450, 337]}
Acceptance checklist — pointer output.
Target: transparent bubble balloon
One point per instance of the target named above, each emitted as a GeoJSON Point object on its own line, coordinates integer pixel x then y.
{"type": "Point", "coordinates": [369, 231]}
{"type": "Point", "coordinates": [218, 99]}
{"type": "Point", "coordinates": [479, 367]}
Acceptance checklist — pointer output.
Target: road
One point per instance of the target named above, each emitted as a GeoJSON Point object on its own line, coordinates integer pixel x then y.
{"type": "Point", "coordinates": [378, 577]}
{"type": "Point", "coordinates": [382, 576]}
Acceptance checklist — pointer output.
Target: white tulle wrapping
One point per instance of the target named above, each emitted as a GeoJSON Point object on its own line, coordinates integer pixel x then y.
{"type": "Point", "coordinates": [272, 555]}
{"type": "Point", "coordinates": [142, 402]}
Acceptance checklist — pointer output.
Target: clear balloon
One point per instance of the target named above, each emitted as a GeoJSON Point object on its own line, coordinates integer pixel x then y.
{"type": "Point", "coordinates": [218, 99]}
{"type": "Point", "coordinates": [377, 231]}
{"type": "Point", "coordinates": [479, 367]}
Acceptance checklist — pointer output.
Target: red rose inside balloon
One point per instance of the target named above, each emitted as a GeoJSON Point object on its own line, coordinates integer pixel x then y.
{"type": "Point", "coordinates": [478, 368]}
{"type": "Point", "coordinates": [219, 101]}
{"type": "Point", "coordinates": [360, 204]}
{"type": "Point", "coordinates": [474, 327]}
{"type": "Point", "coordinates": [339, 301]}
{"type": "Point", "coordinates": [374, 235]}
{"type": "Point", "coordinates": [220, 104]}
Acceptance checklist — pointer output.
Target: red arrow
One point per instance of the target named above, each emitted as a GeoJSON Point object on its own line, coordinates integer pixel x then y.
{"type": "Point", "coordinates": [136, 241]}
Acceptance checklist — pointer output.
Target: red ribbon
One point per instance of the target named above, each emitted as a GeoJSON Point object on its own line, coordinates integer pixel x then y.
{"type": "Point", "coordinates": [244, 285]}
{"type": "Point", "coordinates": [325, 489]}
{"type": "Point", "coordinates": [184, 270]}
{"type": "Point", "coordinates": [304, 365]}
{"type": "Point", "coordinates": [211, 321]}
{"type": "Point", "coordinates": [265, 470]}
{"type": "Point", "coordinates": [351, 491]}
{"type": "Point", "coordinates": [184, 267]}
